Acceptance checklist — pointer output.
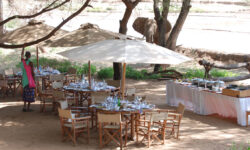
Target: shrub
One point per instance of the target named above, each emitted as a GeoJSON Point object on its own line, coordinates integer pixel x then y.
{"type": "Point", "coordinates": [140, 75]}
{"type": "Point", "coordinates": [79, 70]}
{"type": "Point", "coordinates": [105, 73]}
{"type": "Point", "coordinates": [154, 76]}
{"type": "Point", "coordinates": [133, 74]}
{"type": "Point", "coordinates": [222, 73]}
{"type": "Point", "coordinates": [194, 73]}
{"type": "Point", "coordinates": [62, 66]}
{"type": "Point", "coordinates": [85, 69]}
{"type": "Point", "coordinates": [199, 73]}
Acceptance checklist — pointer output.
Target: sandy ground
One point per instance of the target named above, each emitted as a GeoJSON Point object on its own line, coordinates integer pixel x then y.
{"type": "Point", "coordinates": [39, 131]}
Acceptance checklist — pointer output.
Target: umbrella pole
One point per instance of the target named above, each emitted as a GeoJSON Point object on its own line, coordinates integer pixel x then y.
{"type": "Point", "coordinates": [123, 79]}
{"type": "Point", "coordinates": [89, 74]}
{"type": "Point", "coordinates": [37, 58]}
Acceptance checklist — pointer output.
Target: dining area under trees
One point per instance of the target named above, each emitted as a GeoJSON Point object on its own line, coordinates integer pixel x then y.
{"type": "Point", "coordinates": [75, 108]}
{"type": "Point", "coordinates": [85, 105]}
{"type": "Point", "coordinates": [116, 115]}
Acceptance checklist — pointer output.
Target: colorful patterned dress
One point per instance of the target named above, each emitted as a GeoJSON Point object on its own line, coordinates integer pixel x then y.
{"type": "Point", "coordinates": [28, 91]}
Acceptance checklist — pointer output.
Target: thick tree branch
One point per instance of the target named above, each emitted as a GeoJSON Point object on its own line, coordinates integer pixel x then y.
{"type": "Point", "coordinates": [208, 66]}
{"type": "Point", "coordinates": [157, 10]}
{"type": "Point", "coordinates": [51, 33]}
{"type": "Point", "coordinates": [161, 20]}
{"type": "Point", "coordinates": [129, 8]}
{"type": "Point", "coordinates": [46, 9]}
{"type": "Point", "coordinates": [171, 42]}
{"type": "Point", "coordinates": [226, 67]}
{"type": "Point", "coordinates": [166, 4]}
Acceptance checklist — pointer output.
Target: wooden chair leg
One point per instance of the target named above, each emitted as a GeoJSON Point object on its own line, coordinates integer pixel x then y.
{"type": "Point", "coordinates": [149, 139]}
{"type": "Point", "coordinates": [163, 136]}
{"type": "Point", "coordinates": [74, 137]}
{"type": "Point", "coordinates": [88, 131]}
{"type": "Point", "coordinates": [100, 134]}
{"type": "Point", "coordinates": [126, 135]}
{"type": "Point", "coordinates": [136, 128]}
{"type": "Point", "coordinates": [177, 134]}
{"type": "Point", "coordinates": [121, 137]}
{"type": "Point", "coordinates": [41, 106]}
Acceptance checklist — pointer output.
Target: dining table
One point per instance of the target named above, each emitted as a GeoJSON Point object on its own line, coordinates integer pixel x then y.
{"type": "Point", "coordinates": [81, 91]}
{"type": "Point", "coordinates": [41, 74]}
{"type": "Point", "coordinates": [130, 110]}
{"type": "Point", "coordinates": [205, 102]}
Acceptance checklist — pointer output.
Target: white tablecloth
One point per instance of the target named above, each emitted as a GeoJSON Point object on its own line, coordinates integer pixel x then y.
{"type": "Point", "coordinates": [205, 103]}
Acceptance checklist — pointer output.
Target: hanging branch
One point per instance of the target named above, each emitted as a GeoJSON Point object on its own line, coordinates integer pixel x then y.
{"type": "Point", "coordinates": [46, 9]}
{"type": "Point", "coordinates": [51, 33]}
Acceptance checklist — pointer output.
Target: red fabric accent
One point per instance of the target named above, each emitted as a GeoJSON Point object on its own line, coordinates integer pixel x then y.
{"type": "Point", "coordinates": [28, 68]}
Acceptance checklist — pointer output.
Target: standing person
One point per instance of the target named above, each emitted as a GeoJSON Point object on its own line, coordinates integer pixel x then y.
{"type": "Point", "coordinates": [28, 82]}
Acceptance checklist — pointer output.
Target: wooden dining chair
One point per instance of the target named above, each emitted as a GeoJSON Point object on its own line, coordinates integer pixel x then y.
{"type": "Point", "coordinates": [53, 78]}
{"type": "Point", "coordinates": [96, 97]}
{"type": "Point", "coordinates": [57, 85]}
{"type": "Point", "coordinates": [10, 83]}
{"type": "Point", "coordinates": [71, 75]}
{"type": "Point", "coordinates": [151, 127]}
{"type": "Point", "coordinates": [9, 72]}
{"type": "Point", "coordinates": [174, 120]}
{"type": "Point", "coordinates": [130, 92]}
{"type": "Point", "coordinates": [58, 95]}
{"type": "Point", "coordinates": [116, 84]}
{"type": "Point", "coordinates": [45, 97]}
{"type": "Point", "coordinates": [3, 87]}
{"type": "Point", "coordinates": [111, 128]}
{"type": "Point", "coordinates": [73, 126]}
{"type": "Point", "coordinates": [80, 111]}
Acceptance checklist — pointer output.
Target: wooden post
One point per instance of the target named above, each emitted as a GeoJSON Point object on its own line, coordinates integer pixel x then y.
{"type": "Point", "coordinates": [89, 74]}
{"type": "Point", "coordinates": [22, 53]}
{"type": "Point", "coordinates": [37, 58]}
{"type": "Point", "coordinates": [123, 79]}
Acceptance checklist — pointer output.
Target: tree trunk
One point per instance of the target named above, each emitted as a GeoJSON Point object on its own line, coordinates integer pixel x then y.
{"type": "Point", "coordinates": [117, 71]}
{"type": "Point", "coordinates": [123, 23]}
{"type": "Point", "coordinates": [123, 29]}
{"type": "Point", "coordinates": [171, 42]}
{"type": "Point", "coordinates": [1, 17]}
{"type": "Point", "coordinates": [161, 20]}
{"type": "Point", "coordinates": [130, 5]}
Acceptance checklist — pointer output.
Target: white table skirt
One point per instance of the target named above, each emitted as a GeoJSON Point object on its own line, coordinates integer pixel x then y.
{"type": "Point", "coordinates": [205, 103]}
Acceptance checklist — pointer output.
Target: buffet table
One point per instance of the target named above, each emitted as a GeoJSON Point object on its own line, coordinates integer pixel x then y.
{"type": "Point", "coordinates": [206, 102]}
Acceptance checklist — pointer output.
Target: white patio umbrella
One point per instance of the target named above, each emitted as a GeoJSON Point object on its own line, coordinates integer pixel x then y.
{"type": "Point", "coordinates": [124, 51]}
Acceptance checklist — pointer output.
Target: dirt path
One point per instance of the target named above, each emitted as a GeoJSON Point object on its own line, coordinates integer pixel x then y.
{"type": "Point", "coordinates": [40, 131]}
